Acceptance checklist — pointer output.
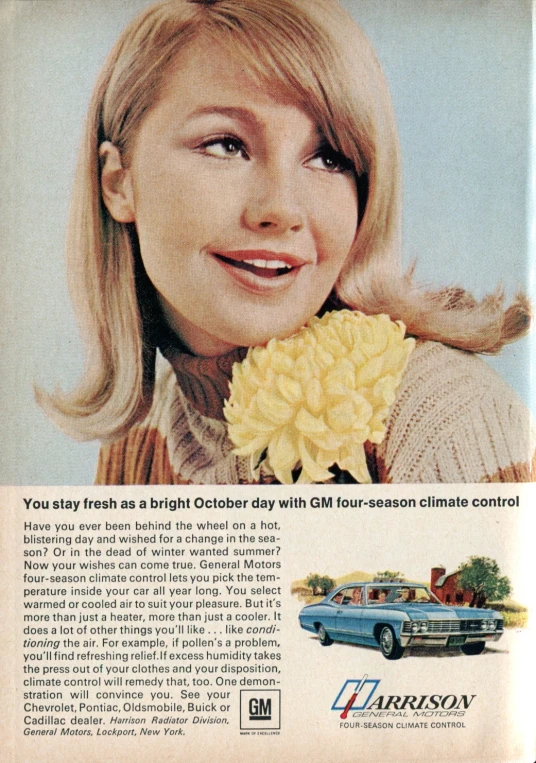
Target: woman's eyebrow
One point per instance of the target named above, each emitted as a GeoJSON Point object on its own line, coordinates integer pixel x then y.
{"type": "Point", "coordinates": [234, 112]}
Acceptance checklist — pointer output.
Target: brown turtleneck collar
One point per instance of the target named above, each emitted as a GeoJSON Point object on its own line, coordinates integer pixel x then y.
{"type": "Point", "coordinates": [204, 381]}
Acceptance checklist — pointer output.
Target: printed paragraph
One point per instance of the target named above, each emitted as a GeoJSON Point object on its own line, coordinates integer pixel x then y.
{"type": "Point", "coordinates": [146, 627]}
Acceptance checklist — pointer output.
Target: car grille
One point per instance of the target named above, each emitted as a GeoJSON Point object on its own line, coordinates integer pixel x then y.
{"type": "Point", "coordinates": [452, 626]}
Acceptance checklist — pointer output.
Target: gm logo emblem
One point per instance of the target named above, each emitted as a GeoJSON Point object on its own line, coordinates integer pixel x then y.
{"type": "Point", "coordinates": [260, 709]}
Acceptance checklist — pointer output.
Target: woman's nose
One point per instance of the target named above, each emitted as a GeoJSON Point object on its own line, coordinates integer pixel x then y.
{"type": "Point", "coordinates": [273, 204]}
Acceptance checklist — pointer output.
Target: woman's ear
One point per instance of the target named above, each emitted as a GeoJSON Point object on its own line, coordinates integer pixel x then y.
{"type": "Point", "coordinates": [116, 184]}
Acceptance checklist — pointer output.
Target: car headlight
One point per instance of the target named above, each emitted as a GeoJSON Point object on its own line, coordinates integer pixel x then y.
{"type": "Point", "coordinates": [492, 625]}
{"type": "Point", "coordinates": [484, 625]}
{"type": "Point", "coordinates": [419, 627]}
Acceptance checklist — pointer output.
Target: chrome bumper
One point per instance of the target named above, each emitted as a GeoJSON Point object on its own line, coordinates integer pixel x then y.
{"type": "Point", "coordinates": [442, 639]}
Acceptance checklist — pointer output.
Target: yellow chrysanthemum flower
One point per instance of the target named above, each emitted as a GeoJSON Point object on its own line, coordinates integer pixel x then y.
{"type": "Point", "coordinates": [314, 399]}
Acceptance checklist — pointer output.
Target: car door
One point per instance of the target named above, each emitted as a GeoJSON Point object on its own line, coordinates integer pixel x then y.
{"type": "Point", "coordinates": [349, 614]}
{"type": "Point", "coordinates": [374, 611]}
{"type": "Point", "coordinates": [327, 613]}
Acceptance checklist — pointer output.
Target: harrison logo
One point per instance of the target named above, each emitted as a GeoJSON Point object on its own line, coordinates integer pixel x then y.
{"type": "Point", "coordinates": [260, 709]}
{"type": "Point", "coordinates": [356, 699]}
{"type": "Point", "coordinates": [355, 695]}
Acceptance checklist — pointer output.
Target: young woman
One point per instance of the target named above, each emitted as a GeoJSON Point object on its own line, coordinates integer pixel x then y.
{"type": "Point", "coordinates": [239, 175]}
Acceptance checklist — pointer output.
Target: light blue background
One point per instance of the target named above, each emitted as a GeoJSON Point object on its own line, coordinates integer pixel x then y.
{"type": "Point", "coordinates": [460, 75]}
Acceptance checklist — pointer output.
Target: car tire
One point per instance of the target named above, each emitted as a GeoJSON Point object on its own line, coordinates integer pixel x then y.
{"type": "Point", "coordinates": [474, 648]}
{"type": "Point", "coordinates": [389, 645]}
{"type": "Point", "coordinates": [323, 636]}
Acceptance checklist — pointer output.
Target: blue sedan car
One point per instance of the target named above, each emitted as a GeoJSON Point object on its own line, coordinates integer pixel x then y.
{"type": "Point", "coordinates": [394, 616]}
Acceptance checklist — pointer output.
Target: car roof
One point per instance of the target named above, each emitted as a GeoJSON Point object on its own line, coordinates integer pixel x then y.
{"type": "Point", "coordinates": [376, 585]}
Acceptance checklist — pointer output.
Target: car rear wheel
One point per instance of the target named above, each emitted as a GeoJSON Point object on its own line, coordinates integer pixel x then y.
{"type": "Point", "coordinates": [389, 646]}
{"type": "Point", "coordinates": [476, 648]}
{"type": "Point", "coordinates": [323, 636]}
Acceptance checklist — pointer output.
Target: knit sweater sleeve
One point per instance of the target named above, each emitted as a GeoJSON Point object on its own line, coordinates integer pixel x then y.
{"type": "Point", "coordinates": [455, 420]}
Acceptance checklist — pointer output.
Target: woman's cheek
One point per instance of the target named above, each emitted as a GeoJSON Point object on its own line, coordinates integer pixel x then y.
{"type": "Point", "coordinates": [336, 222]}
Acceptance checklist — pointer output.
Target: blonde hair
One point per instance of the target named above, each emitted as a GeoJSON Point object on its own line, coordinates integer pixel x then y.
{"type": "Point", "coordinates": [313, 50]}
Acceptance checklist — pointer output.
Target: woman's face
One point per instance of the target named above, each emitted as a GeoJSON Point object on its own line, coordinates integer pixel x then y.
{"type": "Point", "coordinates": [245, 215]}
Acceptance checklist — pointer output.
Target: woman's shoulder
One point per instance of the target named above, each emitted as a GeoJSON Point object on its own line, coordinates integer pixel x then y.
{"type": "Point", "coordinates": [455, 420]}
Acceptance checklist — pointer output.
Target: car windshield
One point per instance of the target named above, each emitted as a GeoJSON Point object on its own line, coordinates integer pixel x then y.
{"type": "Point", "coordinates": [401, 594]}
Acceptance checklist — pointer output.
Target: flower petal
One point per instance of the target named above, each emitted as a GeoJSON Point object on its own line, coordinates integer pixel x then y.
{"type": "Point", "coordinates": [314, 396]}
{"type": "Point", "coordinates": [311, 471]}
{"type": "Point", "coordinates": [283, 451]}
{"type": "Point", "coordinates": [289, 388]}
{"type": "Point", "coordinates": [309, 424]}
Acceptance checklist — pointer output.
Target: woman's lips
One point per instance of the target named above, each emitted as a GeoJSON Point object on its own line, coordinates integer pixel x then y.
{"type": "Point", "coordinates": [261, 269]}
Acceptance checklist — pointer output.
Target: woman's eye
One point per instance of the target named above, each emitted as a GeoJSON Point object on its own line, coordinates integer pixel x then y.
{"type": "Point", "coordinates": [329, 159]}
{"type": "Point", "coordinates": [225, 148]}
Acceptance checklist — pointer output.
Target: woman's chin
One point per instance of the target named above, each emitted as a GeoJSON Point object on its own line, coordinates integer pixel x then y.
{"type": "Point", "coordinates": [262, 337]}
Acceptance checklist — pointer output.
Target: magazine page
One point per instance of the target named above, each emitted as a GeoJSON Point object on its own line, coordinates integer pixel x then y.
{"type": "Point", "coordinates": [268, 471]}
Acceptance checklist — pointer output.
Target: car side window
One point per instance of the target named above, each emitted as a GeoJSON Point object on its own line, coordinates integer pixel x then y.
{"type": "Point", "coordinates": [345, 596]}
{"type": "Point", "coordinates": [356, 598]}
{"type": "Point", "coordinates": [379, 595]}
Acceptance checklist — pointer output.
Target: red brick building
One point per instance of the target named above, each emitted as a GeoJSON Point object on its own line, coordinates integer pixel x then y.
{"type": "Point", "coordinates": [446, 587]}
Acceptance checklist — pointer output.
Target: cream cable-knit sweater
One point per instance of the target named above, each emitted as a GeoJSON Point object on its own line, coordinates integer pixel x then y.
{"type": "Point", "coordinates": [454, 420]}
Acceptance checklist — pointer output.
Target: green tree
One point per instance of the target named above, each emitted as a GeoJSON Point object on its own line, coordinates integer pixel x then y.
{"type": "Point", "coordinates": [313, 582]}
{"type": "Point", "coordinates": [319, 583]}
{"type": "Point", "coordinates": [326, 584]}
{"type": "Point", "coordinates": [482, 576]}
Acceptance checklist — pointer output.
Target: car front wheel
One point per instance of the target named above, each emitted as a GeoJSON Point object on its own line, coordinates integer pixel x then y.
{"type": "Point", "coordinates": [475, 648]}
{"type": "Point", "coordinates": [389, 646]}
{"type": "Point", "coordinates": [323, 636]}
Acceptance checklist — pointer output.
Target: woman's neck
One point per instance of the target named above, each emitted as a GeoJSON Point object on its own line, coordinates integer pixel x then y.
{"type": "Point", "coordinates": [204, 381]}
{"type": "Point", "coordinates": [194, 338]}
